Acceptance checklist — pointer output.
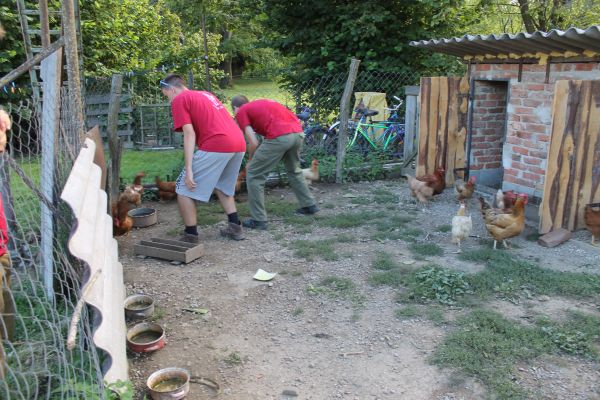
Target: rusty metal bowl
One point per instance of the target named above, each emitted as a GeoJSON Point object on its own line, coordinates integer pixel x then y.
{"type": "Point", "coordinates": [143, 216]}
{"type": "Point", "coordinates": [146, 337]}
{"type": "Point", "coordinates": [139, 306]}
{"type": "Point", "coordinates": [169, 384]}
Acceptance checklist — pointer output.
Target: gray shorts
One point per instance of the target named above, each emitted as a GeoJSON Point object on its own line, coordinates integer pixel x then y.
{"type": "Point", "coordinates": [211, 171]}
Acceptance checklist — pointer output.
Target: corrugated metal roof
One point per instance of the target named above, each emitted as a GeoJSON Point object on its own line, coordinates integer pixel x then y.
{"type": "Point", "coordinates": [570, 43]}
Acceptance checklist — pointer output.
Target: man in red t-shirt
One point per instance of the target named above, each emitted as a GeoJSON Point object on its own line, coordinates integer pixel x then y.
{"type": "Point", "coordinates": [213, 148]}
{"type": "Point", "coordinates": [283, 138]}
{"type": "Point", "coordinates": [4, 126]}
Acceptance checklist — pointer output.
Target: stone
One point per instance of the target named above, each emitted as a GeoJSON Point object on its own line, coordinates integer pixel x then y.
{"type": "Point", "coordinates": [554, 238]}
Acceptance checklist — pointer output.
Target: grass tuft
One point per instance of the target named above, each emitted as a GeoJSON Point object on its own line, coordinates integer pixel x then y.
{"type": "Point", "coordinates": [384, 261]}
{"type": "Point", "coordinates": [407, 312]}
{"type": "Point", "coordinates": [426, 249]}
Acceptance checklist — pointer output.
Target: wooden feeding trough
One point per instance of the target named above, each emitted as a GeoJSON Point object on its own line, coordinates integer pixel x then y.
{"type": "Point", "coordinates": [168, 249]}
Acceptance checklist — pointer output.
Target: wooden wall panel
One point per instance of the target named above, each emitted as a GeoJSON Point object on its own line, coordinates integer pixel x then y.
{"type": "Point", "coordinates": [442, 127]}
{"type": "Point", "coordinates": [573, 172]}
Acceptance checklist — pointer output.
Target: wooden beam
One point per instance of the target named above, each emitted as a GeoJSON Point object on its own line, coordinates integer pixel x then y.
{"type": "Point", "coordinates": [29, 64]}
{"type": "Point", "coordinates": [344, 116]}
{"type": "Point", "coordinates": [115, 144]}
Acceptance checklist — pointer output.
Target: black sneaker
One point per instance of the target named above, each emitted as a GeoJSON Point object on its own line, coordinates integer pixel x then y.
{"type": "Point", "coordinates": [310, 210]}
{"type": "Point", "coordinates": [252, 224]}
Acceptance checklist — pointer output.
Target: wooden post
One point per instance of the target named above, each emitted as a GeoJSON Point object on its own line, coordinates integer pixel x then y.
{"type": "Point", "coordinates": [51, 78]}
{"type": "Point", "coordinates": [29, 64]}
{"type": "Point", "coordinates": [344, 116]}
{"type": "Point", "coordinates": [410, 120]}
{"type": "Point", "coordinates": [115, 144]}
{"type": "Point", "coordinates": [205, 52]}
{"type": "Point", "coordinates": [74, 81]}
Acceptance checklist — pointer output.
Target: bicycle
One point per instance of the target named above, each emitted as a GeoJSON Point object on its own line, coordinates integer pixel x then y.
{"type": "Point", "coordinates": [313, 131]}
{"type": "Point", "coordinates": [362, 132]}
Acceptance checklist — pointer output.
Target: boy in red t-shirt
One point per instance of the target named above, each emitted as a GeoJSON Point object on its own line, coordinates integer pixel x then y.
{"type": "Point", "coordinates": [215, 164]}
{"type": "Point", "coordinates": [283, 140]}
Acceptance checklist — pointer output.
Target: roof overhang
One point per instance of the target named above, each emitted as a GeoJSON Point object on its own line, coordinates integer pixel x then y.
{"type": "Point", "coordinates": [572, 45]}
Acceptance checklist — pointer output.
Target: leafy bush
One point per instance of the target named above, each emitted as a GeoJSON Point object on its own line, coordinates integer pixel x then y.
{"type": "Point", "coordinates": [439, 284]}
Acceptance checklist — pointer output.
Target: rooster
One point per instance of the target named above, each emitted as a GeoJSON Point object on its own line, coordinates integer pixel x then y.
{"type": "Point", "coordinates": [122, 222]}
{"type": "Point", "coordinates": [419, 189]}
{"type": "Point", "coordinates": [504, 226]}
{"type": "Point", "coordinates": [461, 226]}
{"type": "Point", "coordinates": [591, 218]}
{"type": "Point", "coordinates": [137, 183]}
{"type": "Point", "coordinates": [166, 190]}
{"type": "Point", "coordinates": [437, 180]}
{"type": "Point", "coordinates": [465, 190]}
{"type": "Point", "coordinates": [311, 174]}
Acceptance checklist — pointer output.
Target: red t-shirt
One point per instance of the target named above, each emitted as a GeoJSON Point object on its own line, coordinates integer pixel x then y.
{"type": "Point", "coordinates": [268, 118]}
{"type": "Point", "coordinates": [216, 131]}
{"type": "Point", "coordinates": [3, 230]}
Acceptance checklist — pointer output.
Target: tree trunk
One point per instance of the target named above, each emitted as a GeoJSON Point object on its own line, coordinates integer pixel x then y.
{"type": "Point", "coordinates": [528, 20]}
{"type": "Point", "coordinates": [227, 80]}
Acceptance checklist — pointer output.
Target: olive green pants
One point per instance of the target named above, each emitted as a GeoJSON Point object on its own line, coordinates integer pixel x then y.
{"type": "Point", "coordinates": [266, 157]}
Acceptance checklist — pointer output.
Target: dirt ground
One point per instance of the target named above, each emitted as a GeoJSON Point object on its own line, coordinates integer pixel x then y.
{"type": "Point", "coordinates": [279, 340]}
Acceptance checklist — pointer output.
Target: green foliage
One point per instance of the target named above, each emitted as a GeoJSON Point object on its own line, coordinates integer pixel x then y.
{"type": "Point", "coordinates": [336, 287]}
{"type": "Point", "coordinates": [440, 284]}
{"type": "Point", "coordinates": [407, 312]}
{"type": "Point", "coordinates": [350, 220]}
{"type": "Point", "coordinates": [384, 261]}
{"type": "Point", "coordinates": [426, 249]}
{"type": "Point", "coordinates": [444, 228]}
{"type": "Point", "coordinates": [308, 249]}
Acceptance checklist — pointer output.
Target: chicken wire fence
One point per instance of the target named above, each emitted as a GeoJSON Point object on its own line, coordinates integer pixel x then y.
{"type": "Point", "coordinates": [42, 284]}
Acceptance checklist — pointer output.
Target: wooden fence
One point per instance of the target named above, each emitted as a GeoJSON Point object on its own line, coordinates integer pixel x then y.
{"type": "Point", "coordinates": [443, 125]}
{"type": "Point", "coordinates": [573, 172]}
{"type": "Point", "coordinates": [96, 113]}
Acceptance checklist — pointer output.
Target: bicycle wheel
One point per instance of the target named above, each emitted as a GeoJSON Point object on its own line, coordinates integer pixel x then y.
{"type": "Point", "coordinates": [329, 140]}
{"type": "Point", "coordinates": [314, 135]}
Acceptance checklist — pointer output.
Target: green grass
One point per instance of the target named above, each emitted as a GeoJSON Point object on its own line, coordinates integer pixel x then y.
{"type": "Point", "coordinates": [336, 287]}
{"type": "Point", "coordinates": [350, 220]}
{"type": "Point", "coordinates": [407, 312]}
{"type": "Point", "coordinates": [488, 346]}
{"type": "Point", "coordinates": [394, 277]}
{"type": "Point", "coordinates": [436, 315]}
{"type": "Point", "coordinates": [444, 228]}
{"type": "Point", "coordinates": [426, 249]}
{"type": "Point", "coordinates": [383, 196]}
{"type": "Point", "coordinates": [152, 162]}
{"type": "Point", "coordinates": [234, 358]}
{"type": "Point", "coordinates": [384, 261]}
{"type": "Point", "coordinates": [361, 200]}
{"type": "Point", "coordinates": [257, 89]}
{"type": "Point", "coordinates": [297, 311]}
{"type": "Point", "coordinates": [309, 249]}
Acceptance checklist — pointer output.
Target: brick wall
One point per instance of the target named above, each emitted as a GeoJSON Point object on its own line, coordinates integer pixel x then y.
{"type": "Point", "coordinates": [529, 117]}
{"type": "Point", "coordinates": [489, 120]}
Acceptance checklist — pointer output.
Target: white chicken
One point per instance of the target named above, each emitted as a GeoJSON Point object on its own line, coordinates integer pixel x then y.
{"type": "Point", "coordinates": [461, 226]}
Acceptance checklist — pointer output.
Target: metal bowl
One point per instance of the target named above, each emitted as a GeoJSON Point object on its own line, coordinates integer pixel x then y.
{"type": "Point", "coordinates": [146, 337]}
{"type": "Point", "coordinates": [169, 384]}
{"type": "Point", "coordinates": [139, 306]}
{"type": "Point", "coordinates": [143, 216]}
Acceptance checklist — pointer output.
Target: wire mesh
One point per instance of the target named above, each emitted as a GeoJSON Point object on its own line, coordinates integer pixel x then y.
{"type": "Point", "coordinates": [37, 312]}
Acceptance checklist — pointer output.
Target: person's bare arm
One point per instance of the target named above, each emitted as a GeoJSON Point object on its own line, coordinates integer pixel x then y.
{"type": "Point", "coordinates": [252, 140]}
{"type": "Point", "coordinates": [189, 145]}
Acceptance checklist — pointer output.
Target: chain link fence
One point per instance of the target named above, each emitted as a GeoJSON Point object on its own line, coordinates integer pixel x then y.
{"type": "Point", "coordinates": [41, 281]}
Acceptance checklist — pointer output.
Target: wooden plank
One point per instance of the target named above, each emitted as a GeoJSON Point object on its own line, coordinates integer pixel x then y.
{"type": "Point", "coordinates": [590, 190]}
{"type": "Point", "coordinates": [551, 189]}
{"type": "Point", "coordinates": [410, 117]}
{"type": "Point", "coordinates": [104, 111]}
{"type": "Point", "coordinates": [462, 116]}
{"type": "Point", "coordinates": [453, 107]}
{"type": "Point", "coordinates": [158, 252]}
{"type": "Point", "coordinates": [442, 129]}
{"type": "Point", "coordinates": [423, 126]}
{"type": "Point", "coordinates": [104, 99]}
{"type": "Point", "coordinates": [433, 124]}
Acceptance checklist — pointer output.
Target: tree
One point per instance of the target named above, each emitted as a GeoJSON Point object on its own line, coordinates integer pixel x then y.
{"type": "Point", "coordinates": [322, 35]}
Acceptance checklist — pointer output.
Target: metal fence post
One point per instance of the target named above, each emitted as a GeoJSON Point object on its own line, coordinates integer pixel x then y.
{"type": "Point", "coordinates": [344, 116]}
{"type": "Point", "coordinates": [51, 77]}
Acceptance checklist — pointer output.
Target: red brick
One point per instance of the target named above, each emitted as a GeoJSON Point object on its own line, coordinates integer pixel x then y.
{"type": "Point", "coordinates": [531, 144]}
{"type": "Point", "coordinates": [532, 177]}
{"type": "Point", "coordinates": [496, 110]}
{"type": "Point", "coordinates": [536, 87]}
{"type": "Point", "coordinates": [514, 140]}
{"type": "Point", "coordinates": [494, 124]}
{"type": "Point", "coordinates": [523, 110]}
{"type": "Point", "coordinates": [584, 67]}
{"type": "Point", "coordinates": [532, 103]}
{"type": "Point", "coordinates": [483, 67]}
{"type": "Point", "coordinates": [481, 146]}
{"type": "Point", "coordinates": [477, 138]}
{"type": "Point", "coordinates": [536, 128]}
{"type": "Point", "coordinates": [514, 117]}
{"type": "Point", "coordinates": [475, 167]}
{"type": "Point", "coordinates": [534, 119]}
{"type": "Point", "coordinates": [518, 166]}
{"type": "Point", "coordinates": [536, 170]}
{"type": "Point", "coordinates": [534, 68]}
{"type": "Point", "coordinates": [520, 150]}
{"type": "Point", "coordinates": [524, 135]}
{"type": "Point", "coordinates": [509, 178]}
{"type": "Point", "coordinates": [493, 165]}
{"type": "Point", "coordinates": [543, 138]}
{"type": "Point", "coordinates": [516, 157]}
{"type": "Point", "coordinates": [477, 153]}
{"type": "Point", "coordinates": [526, 183]}
{"type": "Point", "coordinates": [510, 172]}
{"type": "Point", "coordinates": [531, 160]}
{"type": "Point", "coordinates": [518, 94]}
{"type": "Point", "coordinates": [538, 154]}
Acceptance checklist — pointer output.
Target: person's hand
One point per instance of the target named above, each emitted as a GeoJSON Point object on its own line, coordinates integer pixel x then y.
{"type": "Point", "coordinates": [189, 180]}
{"type": "Point", "coordinates": [5, 125]}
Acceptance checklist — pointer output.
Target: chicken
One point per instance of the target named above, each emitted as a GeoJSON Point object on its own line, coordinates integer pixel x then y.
{"type": "Point", "coordinates": [437, 180]}
{"type": "Point", "coordinates": [137, 183]}
{"type": "Point", "coordinates": [500, 200]}
{"type": "Point", "coordinates": [122, 222]}
{"type": "Point", "coordinates": [461, 226]}
{"type": "Point", "coordinates": [240, 180]}
{"type": "Point", "coordinates": [504, 226]}
{"type": "Point", "coordinates": [591, 216]}
{"type": "Point", "coordinates": [166, 190]}
{"type": "Point", "coordinates": [419, 189]}
{"type": "Point", "coordinates": [311, 174]}
{"type": "Point", "coordinates": [132, 197]}
{"type": "Point", "coordinates": [465, 190]}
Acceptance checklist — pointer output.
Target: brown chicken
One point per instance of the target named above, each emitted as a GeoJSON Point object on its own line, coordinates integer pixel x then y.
{"type": "Point", "coordinates": [505, 226]}
{"type": "Point", "coordinates": [311, 174]}
{"type": "Point", "coordinates": [437, 180]}
{"type": "Point", "coordinates": [137, 183]}
{"type": "Point", "coordinates": [419, 189]}
{"type": "Point", "coordinates": [465, 190]}
{"type": "Point", "coordinates": [166, 190]}
{"type": "Point", "coordinates": [591, 217]}
{"type": "Point", "coordinates": [122, 222]}
{"type": "Point", "coordinates": [240, 180]}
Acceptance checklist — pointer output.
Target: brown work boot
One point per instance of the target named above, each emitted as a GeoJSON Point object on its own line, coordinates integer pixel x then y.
{"type": "Point", "coordinates": [233, 231]}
